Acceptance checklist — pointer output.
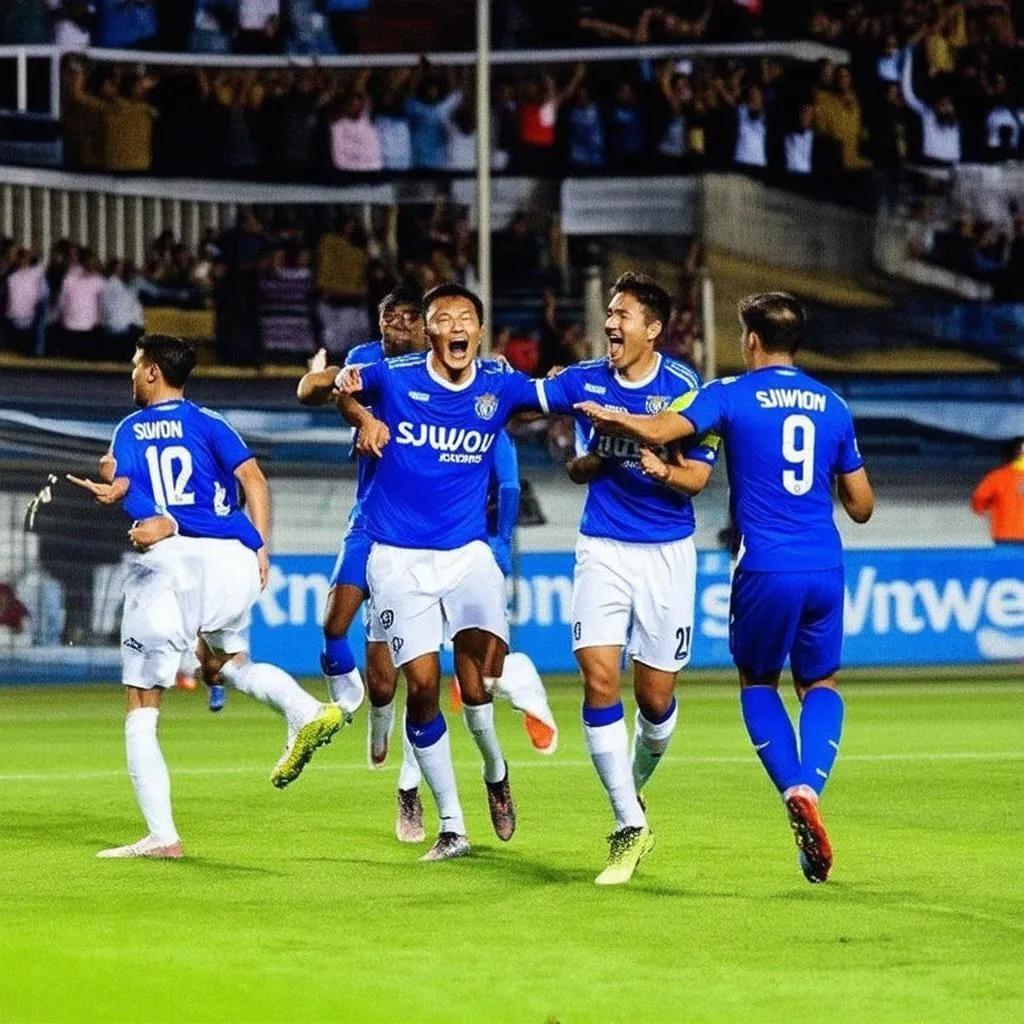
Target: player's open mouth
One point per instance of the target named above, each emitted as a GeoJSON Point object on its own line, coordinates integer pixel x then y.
{"type": "Point", "coordinates": [615, 348]}
{"type": "Point", "coordinates": [458, 347]}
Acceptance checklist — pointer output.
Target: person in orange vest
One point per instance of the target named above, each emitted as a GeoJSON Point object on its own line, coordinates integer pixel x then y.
{"type": "Point", "coordinates": [1000, 496]}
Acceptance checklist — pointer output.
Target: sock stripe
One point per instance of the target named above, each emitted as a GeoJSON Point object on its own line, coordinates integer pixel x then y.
{"type": "Point", "coordinates": [603, 716]}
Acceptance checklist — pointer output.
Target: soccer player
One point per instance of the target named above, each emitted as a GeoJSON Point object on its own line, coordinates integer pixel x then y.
{"type": "Point", "coordinates": [400, 319]}
{"type": "Point", "coordinates": [177, 471]}
{"type": "Point", "coordinates": [430, 567]}
{"type": "Point", "coordinates": [789, 440]}
{"type": "Point", "coordinates": [636, 568]}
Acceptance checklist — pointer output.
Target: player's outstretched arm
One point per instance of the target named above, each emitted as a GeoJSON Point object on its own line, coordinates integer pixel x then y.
{"type": "Point", "coordinates": [690, 476]}
{"type": "Point", "coordinates": [105, 493]}
{"type": "Point", "coordinates": [659, 429]}
{"type": "Point", "coordinates": [856, 494]}
{"type": "Point", "coordinates": [257, 499]}
{"type": "Point", "coordinates": [317, 386]}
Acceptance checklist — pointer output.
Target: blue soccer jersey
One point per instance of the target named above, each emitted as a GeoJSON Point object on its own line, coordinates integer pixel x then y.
{"type": "Point", "coordinates": [430, 488]}
{"type": "Point", "coordinates": [180, 459]}
{"type": "Point", "coordinates": [623, 503]}
{"type": "Point", "coordinates": [786, 437]}
{"type": "Point", "coordinates": [359, 355]}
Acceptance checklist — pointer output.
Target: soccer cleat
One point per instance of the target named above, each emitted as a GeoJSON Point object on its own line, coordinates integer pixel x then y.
{"type": "Point", "coordinates": [147, 847]}
{"type": "Point", "coordinates": [503, 810]}
{"type": "Point", "coordinates": [409, 821]}
{"type": "Point", "coordinates": [447, 846]}
{"type": "Point", "coordinates": [543, 737]}
{"type": "Point", "coordinates": [626, 848]}
{"type": "Point", "coordinates": [523, 687]}
{"type": "Point", "coordinates": [809, 832]}
{"type": "Point", "coordinates": [184, 681]}
{"type": "Point", "coordinates": [303, 744]}
{"type": "Point", "coordinates": [217, 697]}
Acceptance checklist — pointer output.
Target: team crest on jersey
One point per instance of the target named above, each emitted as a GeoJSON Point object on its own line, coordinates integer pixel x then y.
{"type": "Point", "coordinates": [486, 406]}
{"type": "Point", "coordinates": [655, 403]}
{"type": "Point", "coordinates": [387, 617]}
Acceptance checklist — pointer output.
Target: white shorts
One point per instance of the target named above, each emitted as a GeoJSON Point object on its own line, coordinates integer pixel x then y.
{"type": "Point", "coordinates": [374, 632]}
{"type": "Point", "coordinates": [637, 596]}
{"type": "Point", "coordinates": [416, 595]}
{"type": "Point", "coordinates": [182, 588]}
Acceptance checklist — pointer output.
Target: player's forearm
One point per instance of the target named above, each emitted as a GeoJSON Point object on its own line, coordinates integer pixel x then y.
{"type": "Point", "coordinates": [257, 502]}
{"type": "Point", "coordinates": [690, 478]}
{"type": "Point", "coordinates": [660, 429]}
{"type": "Point", "coordinates": [353, 412]}
{"type": "Point", "coordinates": [315, 388]}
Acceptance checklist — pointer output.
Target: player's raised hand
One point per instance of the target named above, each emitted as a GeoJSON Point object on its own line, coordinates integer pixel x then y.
{"type": "Point", "coordinates": [371, 437]}
{"type": "Point", "coordinates": [106, 494]}
{"type": "Point", "coordinates": [349, 381]}
{"type": "Point", "coordinates": [319, 362]}
{"type": "Point", "coordinates": [653, 466]}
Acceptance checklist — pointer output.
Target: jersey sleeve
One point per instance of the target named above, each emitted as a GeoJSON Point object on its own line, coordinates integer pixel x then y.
{"type": "Point", "coordinates": [373, 376]}
{"type": "Point", "coordinates": [506, 476]}
{"type": "Point", "coordinates": [122, 449]}
{"type": "Point", "coordinates": [706, 446]}
{"type": "Point", "coordinates": [706, 410]}
{"type": "Point", "coordinates": [849, 458]}
{"type": "Point", "coordinates": [226, 444]}
{"type": "Point", "coordinates": [522, 392]}
{"type": "Point", "coordinates": [561, 392]}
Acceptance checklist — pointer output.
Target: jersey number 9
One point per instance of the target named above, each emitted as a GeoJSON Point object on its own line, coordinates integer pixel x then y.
{"type": "Point", "coordinates": [798, 450]}
{"type": "Point", "coordinates": [169, 473]}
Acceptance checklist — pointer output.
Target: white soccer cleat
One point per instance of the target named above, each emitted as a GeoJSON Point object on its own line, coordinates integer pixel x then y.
{"type": "Point", "coordinates": [522, 686]}
{"type": "Point", "coordinates": [155, 849]}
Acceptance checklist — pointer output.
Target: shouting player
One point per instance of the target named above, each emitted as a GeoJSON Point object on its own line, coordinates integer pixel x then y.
{"type": "Point", "coordinates": [788, 440]}
{"type": "Point", "coordinates": [430, 567]}
{"type": "Point", "coordinates": [636, 567]}
{"type": "Point", "coordinates": [177, 469]}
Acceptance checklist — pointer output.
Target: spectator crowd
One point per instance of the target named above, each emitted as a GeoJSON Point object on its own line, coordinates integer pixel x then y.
{"type": "Point", "coordinates": [931, 82]}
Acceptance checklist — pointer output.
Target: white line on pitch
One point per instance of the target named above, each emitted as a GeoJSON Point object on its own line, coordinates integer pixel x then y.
{"type": "Point", "coordinates": [963, 755]}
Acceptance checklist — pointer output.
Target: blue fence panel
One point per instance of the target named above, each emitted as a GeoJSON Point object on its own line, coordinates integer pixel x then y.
{"type": "Point", "coordinates": [914, 607]}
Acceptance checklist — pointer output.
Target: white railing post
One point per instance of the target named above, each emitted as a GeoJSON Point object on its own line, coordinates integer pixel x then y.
{"type": "Point", "coordinates": [707, 303]}
{"type": "Point", "coordinates": [21, 71]}
{"type": "Point", "coordinates": [483, 165]}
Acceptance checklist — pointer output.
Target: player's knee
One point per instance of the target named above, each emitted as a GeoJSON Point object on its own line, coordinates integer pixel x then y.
{"type": "Point", "coordinates": [654, 706]}
{"type": "Point", "coordinates": [600, 685]}
{"type": "Point", "coordinates": [802, 689]}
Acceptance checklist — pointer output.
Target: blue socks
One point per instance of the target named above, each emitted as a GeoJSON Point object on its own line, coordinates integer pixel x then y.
{"type": "Point", "coordinates": [774, 739]}
{"type": "Point", "coordinates": [821, 726]}
{"type": "Point", "coordinates": [771, 732]}
{"type": "Point", "coordinates": [337, 657]}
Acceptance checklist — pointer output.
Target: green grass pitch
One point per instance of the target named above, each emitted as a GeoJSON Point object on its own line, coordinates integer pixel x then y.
{"type": "Point", "coordinates": [301, 906]}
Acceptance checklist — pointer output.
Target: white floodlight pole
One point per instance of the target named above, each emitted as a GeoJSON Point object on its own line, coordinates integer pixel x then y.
{"type": "Point", "coordinates": [483, 162]}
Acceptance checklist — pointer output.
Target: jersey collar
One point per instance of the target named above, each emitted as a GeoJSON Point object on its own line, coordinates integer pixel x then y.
{"type": "Point", "coordinates": [644, 381]}
{"type": "Point", "coordinates": [438, 379]}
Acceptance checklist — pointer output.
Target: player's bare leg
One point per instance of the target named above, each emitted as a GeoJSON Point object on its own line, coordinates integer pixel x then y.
{"type": "Point", "coordinates": [310, 723]}
{"type": "Point", "coordinates": [479, 662]}
{"type": "Point", "coordinates": [343, 678]}
{"type": "Point", "coordinates": [604, 730]}
{"type": "Point", "coordinates": [656, 716]}
{"type": "Point", "coordinates": [150, 779]}
{"type": "Point", "coordinates": [428, 733]}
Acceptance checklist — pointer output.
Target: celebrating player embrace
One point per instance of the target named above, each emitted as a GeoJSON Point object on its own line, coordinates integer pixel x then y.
{"type": "Point", "coordinates": [788, 439]}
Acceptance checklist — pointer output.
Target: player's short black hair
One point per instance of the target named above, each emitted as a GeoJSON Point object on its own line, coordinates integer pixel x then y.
{"type": "Point", "coordinates": [175, 357]}
{"type": "Point", "coordinates": [453, 291]}
{"type": "Point", "coordinates": [403, 295]}
{"type": "Point", "coordinates": [656, 301]}
{"type": "Point", "coordinates": [777, 318]}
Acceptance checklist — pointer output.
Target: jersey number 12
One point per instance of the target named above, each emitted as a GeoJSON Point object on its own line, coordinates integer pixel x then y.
{"type": "Point", "coordinates": [170, 470]}
{"type": "Point", "coordinates": [798, 450]}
